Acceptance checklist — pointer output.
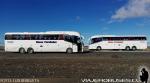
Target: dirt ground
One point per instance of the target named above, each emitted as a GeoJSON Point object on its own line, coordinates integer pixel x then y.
{"type": "Point", "coordinates": [71, 68]}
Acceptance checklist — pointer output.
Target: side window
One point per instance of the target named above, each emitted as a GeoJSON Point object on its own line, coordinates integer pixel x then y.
{"type": "Point", "coordinates": [117, 38]}
{"type": "Point", "coordinates": [21, 37]}
{"type": "Point", "coordinates": [105, 38]}
{"type": "Point", "coordinates": [61, 37]}
{"type": "Point", "coordinates": [93, 40]}
{"type": "Point", "coordinates": [138, 38]}
{"type": "Point", "coordinates": [99, 39]}
{"type": "Point", "coordinates": [121, 38]}
{"type": "Point", "coordinates": [68, 38]}
{"type": "Point", "coordinates": [14, 37]}
{"type": "Point", "coordinates": [8, 37]}
{"type": "Point", "coordinates": [37, 37]}
{"type": "Point", "coordinates": [53, 37]}
{"type": "Point", "coordinates": [33, 37]}
{"type": "Point", "coordinates": [113, 38]}
{"type": "Point", "coordinates": [56, 37]}
{"type": "Point", "coordinates": [109, 38]}
{"type": "Point", "coordinates": [41, 37]}
{"type": "Point", "coordinates": [45, 37]}
{"type": "Point", "coordinates": [126, 38]}
{"type": "Point", "coordinates": [26, 37]}
{"type": "Point", "coordinates": [144, 38]}
{"type": "Point", "coordinates": [49, 37]}
{"type": "Point", "coordinates": [18, 37]}
{"type": "Point", "coordinates": [132, 38]}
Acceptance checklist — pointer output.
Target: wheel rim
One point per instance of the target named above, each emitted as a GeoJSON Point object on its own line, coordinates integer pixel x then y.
{"type": "Point", "coordinates": [30, 51]}
{"type": "Point", "coordinates": [69, 51]}
{"type": "Point", "coordinates": [127, 48]}
{"type": "Point", "coordinates": [134, 48]}
{"type": "Point", "coordinates": [98, 48]}
{"type": "Point", "coordinates": [21, 50]}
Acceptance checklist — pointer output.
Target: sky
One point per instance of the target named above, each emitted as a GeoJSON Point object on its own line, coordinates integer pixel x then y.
{"type": "Point", "coordinates": [89, 17]}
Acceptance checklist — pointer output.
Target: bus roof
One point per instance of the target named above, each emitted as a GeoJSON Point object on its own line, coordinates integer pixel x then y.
{"type": "Point", "coordinates": [95, 36]}
{"type": "Point", "coordinates": [48, 32]}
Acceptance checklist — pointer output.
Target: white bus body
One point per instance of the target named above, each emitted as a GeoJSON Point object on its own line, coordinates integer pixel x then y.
{"type": "Point", "coordinates": [100, 42]}
{"type": "Point", "coordinates": [52, 41]}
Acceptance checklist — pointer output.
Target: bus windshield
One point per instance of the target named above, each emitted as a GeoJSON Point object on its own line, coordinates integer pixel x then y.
{"type": "Point", "coordinates": [73, 39]}
{"type": "Point", "coordinates": [95, 40]}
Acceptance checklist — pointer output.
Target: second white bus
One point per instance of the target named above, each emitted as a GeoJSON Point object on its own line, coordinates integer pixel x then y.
{"type": "Point", "coordinates": [99, 42]}
{"type": "Point", "coordinates": [51, 41]}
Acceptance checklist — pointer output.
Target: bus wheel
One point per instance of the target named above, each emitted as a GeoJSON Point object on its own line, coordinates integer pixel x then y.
{"type": "Point", "coordinates": [127, 48]}
{"type": "Point", "coordinates": [134, 48]}
{"type": "Point", "coordinates": [30, 50]}
{"type": "Point", "coordinates": [69, 50]}
{"type": "Point", "coordinates": [99, 48]}
{"type": "Point", "coordinates": [22, 50]}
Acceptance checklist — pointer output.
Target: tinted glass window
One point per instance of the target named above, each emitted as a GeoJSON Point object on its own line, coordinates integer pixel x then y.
{"type": "Point", "coordinates": [126, 38]}
{"type": "Point", "coordinates": [144, 38]}
{"type": "Point", "coordinates": [21, 37]}
{"type": "Point", "coordinates": [44, 37]}
{"type": "Point", "coordinates": [53, 37]}
{"type": "Point", "coordinates": [76, 39]}
{"type": "Point", "coordinates": [61, 37]}
{"type": "Point", "coordinates": [95, 40]}
{"type": "Point", "coordinates": [105, 38]}
{"type": "Point", "coordinates": [8, 37]}
{"type": "Point", "coordinates": [33, 37]}
{"type": "Point", "coordinates": [26, 37]}
{"type": "Point", "coordinates": [68, 38]}
{"type": "Point", "coordinates": [12, 37]}
{"type": "Point", "coordinates": [72, 39]}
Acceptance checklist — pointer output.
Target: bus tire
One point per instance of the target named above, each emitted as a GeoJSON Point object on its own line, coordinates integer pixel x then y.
{"type": "Point", "coordinates": [127, 48]}
{"type": "Point", "coordinates": [22, 50]}
{"type": "Point", "coordinates": [30, 50]}
{"type": "Point", "coordinates": [134, 48]}
{"type": "Point", "coordinates": [98, 48]}
{"type": "Point", "coordinates": [69, 50]}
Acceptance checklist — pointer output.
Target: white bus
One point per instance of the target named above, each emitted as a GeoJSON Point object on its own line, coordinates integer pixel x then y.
{"type": "Point", "coordinates": [99, 42]}
{"type": "Point", "coordinates": [51, 41]}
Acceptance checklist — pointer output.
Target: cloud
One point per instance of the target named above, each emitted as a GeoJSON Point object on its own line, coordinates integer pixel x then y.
{"type": "Point", "coordinates": [133, 9]}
